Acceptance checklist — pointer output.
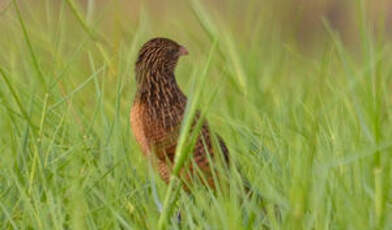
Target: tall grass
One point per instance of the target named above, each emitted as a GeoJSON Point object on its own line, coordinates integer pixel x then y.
{"type": "Point", "coordinates": [311, 131]}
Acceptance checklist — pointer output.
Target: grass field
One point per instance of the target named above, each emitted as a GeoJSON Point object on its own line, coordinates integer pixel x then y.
{"type": "Point", "coordinates": [311, 128]}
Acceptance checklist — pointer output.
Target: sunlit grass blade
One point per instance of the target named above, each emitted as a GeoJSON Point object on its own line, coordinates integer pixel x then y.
{"type": "Point", "coordinates": [17, 100]}
{"type": "Point", "coordinates": [37, 67]}
{"type": "Point", "coordinates": [81, 86]}
{"type": "Point", "coordinates": [83, 22]}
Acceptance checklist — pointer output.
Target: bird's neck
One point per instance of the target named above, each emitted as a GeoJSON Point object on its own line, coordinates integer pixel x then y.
{"type": "Point", "coordinates": [157, 86]}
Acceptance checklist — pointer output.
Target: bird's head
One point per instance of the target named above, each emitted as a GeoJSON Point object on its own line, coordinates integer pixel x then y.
{"type": "Point", "coordinates": [160, 54]}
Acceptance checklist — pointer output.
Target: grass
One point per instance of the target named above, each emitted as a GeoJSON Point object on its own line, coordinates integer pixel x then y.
{"type": "Point", "coordinates": [311, 131]}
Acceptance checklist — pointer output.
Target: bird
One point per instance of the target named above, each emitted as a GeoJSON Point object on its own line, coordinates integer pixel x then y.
{"type": "Point", "coordinates": [158, 110]}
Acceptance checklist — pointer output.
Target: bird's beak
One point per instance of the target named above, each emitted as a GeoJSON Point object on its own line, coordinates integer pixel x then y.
{"type": "Point", "coordinates": [183, 51]}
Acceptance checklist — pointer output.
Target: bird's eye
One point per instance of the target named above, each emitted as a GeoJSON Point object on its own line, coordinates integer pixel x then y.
{"type": "Point", "coordinates": [171, 51]}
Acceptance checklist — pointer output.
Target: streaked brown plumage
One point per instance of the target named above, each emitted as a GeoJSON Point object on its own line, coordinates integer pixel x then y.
{"type": "Point", "coordinates": [158, 110]}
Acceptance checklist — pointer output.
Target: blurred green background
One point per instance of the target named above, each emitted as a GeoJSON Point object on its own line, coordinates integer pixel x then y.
{"type": "Point", "coordinates": [300, 90]}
